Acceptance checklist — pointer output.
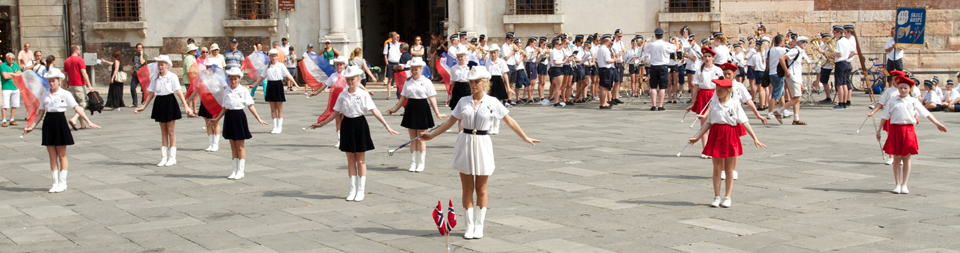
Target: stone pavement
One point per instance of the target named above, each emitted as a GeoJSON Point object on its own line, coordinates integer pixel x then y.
{"type": "Point", "coordinates": [601, 181]}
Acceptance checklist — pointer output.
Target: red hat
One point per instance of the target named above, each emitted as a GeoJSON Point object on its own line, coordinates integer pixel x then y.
{"type": "Point", "coordinates": [901, 77]}
{"type": "Point", "coordinates": [728, 66]}
{"type": "Point", "coordinates": [707, 50]}
{"type": "Point", "coordinates": [723, 82]}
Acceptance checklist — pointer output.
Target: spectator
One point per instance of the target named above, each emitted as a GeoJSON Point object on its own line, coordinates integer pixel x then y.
{"type": "Point", "coordinates": [417, 49]}
{"type": "Point", "coordinates": [191, 42]}
{"type": "Point", "coordinates": [329, 52]}
{"type": "Point", "coordinates": [309, 50]}
{"type": "Point", "coordinates": [115, 92]}
{"type": "Point", "coordinates": [405, 56]}
{"type": "Point", "coordinates": [356, 59]}
{"type": "Point", "coordinates": [25, 57]}
{"type": "Point", "coordinates": [38, 62]}
{"type": "Point", "coordinates": [291, 62]}
{"type": "Point", "coordinates": [42, 67]}
{"type": "Point", "coordinates": [204, 55]}
{"type": "Point", "coordinates": [216, 57]}
{"type": "Point", "coordinates": [79, 83]}
{"type": "Point", "coordinates": [188, 60]}
{"type": "Point", "coordinates": [11, 95]}
{"type": "Point", "coordinates": [284, 47]}
{"type": "Point", "coordinates": [391, 56]}
{"type": "Point", "coordinates": [232, 57]}
{"type": "Point", "coordinates": [138, 61]}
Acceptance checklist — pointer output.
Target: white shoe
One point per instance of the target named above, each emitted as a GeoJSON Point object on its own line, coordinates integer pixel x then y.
{"type": "Point", "coordinates": [413, 161]}
{"type": "Point", "coordinates": [478, 227]}
{"type": "Point", "coordinates": [422, 161]}
{"type": "Point", "coordinates": [279, 125]}
{"type": "Point", "coordinates": [353, 188]}
{"type": "Point", "coordinates": [163, 156]}
{"type": "Point", "coordinates": [216, 143]}
{"type": "Point", "coordinates": [240, 164]}
{"type": "Point", "coordinates": [897, 190]}
{"type": "Point", "coordinates": [63, 181]}
{"type": "Point", "coordinates": [702, 156]}
{"type": "Point", "coordinates": [770, 115]}
{"type": "Point", "coordinates": [209, 143]}
{"type": "Point", "coordinates": [235, 162]}
{"type": "Point", "coordinates": [56, 181]}
{"type": "Point", "coordinates": [889, 161]}
{"type": "Point", "coordinates": [274, 126]}
{"type": "Point", "coordinates": [726, 202]}
{"type": "Point", "coordinates": [361, 183]}
{"type": "Point", "coordinates": [723, 175]}
{"type": "Point", "coordinates": [787, 113]}
{"type": "Point", "coordinates": [468, 234]}
{"type": "Point", "coordinates": [735, 177]}
{"type": "Point", "coordinates": [172, 160]}
{"type": "Point", "coordinates": [562, 104]}
{"type": "Point", "coordinates": [716, 202]}
{"type": "Point", "coordinates": [903, 189]}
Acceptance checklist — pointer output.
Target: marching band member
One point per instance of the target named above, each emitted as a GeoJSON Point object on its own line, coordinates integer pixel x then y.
{"type": "Point", "coordinates": [618, 51]}
{"type": "Point", "coordinates": [543, 71]}
{"type": "Point", "coordinates": [931, 100]}
{"type": "Point", "coordinates": [606, 67]}
{"type": "Point", "coordinates": [760, 70]}
{"type": "Point", "coordinates": [720, 46]}
{"type": "Point", "coordinates": [633, 60]}
{"type": "Point", "coordinates": [274, 74]}
{"type": "Point", "coordinates": [705, 86]}
{"type": "Point", "coordinates": [846, 48]}
{"type": "Point", "coordinates": [563, 98]}
{"type": "Point", "coordinates": [693, 58]}
{"type": "Point", "coordinates": [901, 114]}
{"type": "Point", "coordinates": [507, 52]}
{"type": "Point", "coordinates": [497, 68]}
{"type": "Point", "coordinates": [213, 132]}
{"type": "Point", "coordinates": [533, 56]}
{"type": "Point", "coordinates": [659, 51]}
{"type": "Point", "coordinates": [951, 97]}
{"type": "Point", "coordinates": [827, 68]}
{"type": "Point", "coordinates": [675, 66]}
{"type": "Point", "coordinates": [579, 73]}
{"type": "Point", "coordinates": [420, 97]}
{"type": "Point", "coordinates": [235, 128]}
{"type": "Point", "coordinates": [166, 89]}
{"type": "Point", "coordinates": [522, 81]}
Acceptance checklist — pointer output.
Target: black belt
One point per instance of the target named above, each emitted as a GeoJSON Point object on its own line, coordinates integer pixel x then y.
{"type": "Point", "coordinates": [474, 132]}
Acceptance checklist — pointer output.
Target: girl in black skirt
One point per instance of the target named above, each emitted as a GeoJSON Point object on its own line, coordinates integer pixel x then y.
{"type": "Point", "coordinates": [420, 96]}
{"type": "Point", "coordinates": [115, 93]}
{"type": "Point", "coordinates": [497, 67]}
{"type": "Point", "coordinates": [235, 129]}
{"type": "Point", "coordinates": [458, 75]}
{"type": "Point", "coordinates": [355, 139]}
{"type": "Point", "coordinates": [56, 134]}
{"type": "Point", "coordinates": [213, 127]}
{"type": "Point", "coordinates": [166, 89]}
{"type": "Point", "coordinates": [274, 74]}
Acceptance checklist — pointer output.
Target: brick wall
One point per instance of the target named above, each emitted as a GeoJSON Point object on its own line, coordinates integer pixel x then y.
{"type": "Point", "coordinates": [836, 5]}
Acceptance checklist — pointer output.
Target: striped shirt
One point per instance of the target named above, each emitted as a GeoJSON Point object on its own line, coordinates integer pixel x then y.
{"type": "Point", "coordinates": [233, 58]}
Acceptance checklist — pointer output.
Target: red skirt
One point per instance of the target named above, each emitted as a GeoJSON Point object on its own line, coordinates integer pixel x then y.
{"type": "Point", "coordinates": [724, 141]}
{"type": "Point", "coordinates": [703, 99]}
{"type": "Point", "coordinates": [886, 125]}
{"type": "Point", "coordinates": [901, 140]}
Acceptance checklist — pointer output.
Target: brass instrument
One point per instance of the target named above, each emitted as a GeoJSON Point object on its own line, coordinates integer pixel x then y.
{"type": "Point", "coordinates": [521, 52]}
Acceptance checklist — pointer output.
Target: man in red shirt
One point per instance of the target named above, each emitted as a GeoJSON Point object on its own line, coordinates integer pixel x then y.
{"type": "Point", "coordinates": [79, 82]}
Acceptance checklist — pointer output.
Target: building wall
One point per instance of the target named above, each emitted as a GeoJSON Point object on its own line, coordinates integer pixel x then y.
{"type": "Point", "coordinates": [14, 23]}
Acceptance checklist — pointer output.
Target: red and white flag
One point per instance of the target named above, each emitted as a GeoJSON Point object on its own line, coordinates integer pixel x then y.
{"type": "Point", "coordinates": [146, 75]}
{"type": "Point", "coordinates": [209, 85]}
{"type": "Point", "coordinates": [192, 73]}
{"type": "Point", "coordinates": [254, 63]}
{"type": "Point", "coordinates": [31, 86]}
{"type": "Point", "coordinates": [439, 219]}
{"type": "Point", "coordinates": [335, 91]}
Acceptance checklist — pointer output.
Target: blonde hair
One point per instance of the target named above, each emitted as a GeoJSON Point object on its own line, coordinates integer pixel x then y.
{"type": "Point", "coordinates": [723, 39]}
{"type": "Point", "coordinates": [484, 83]}
{"type": "Point", "coordinates": [356, 52]}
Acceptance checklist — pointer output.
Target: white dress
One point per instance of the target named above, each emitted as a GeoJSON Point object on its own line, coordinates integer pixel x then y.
{"type": "Point", "coordinates": [473, 154]}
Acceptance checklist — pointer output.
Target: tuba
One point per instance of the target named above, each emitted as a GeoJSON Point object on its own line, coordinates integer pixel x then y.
{"type": "Point", "coordinates": [830, 50]}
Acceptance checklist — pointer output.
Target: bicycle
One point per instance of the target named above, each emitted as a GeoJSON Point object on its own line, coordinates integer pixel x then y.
{"type": "Point", "coordinates": [876, 74]}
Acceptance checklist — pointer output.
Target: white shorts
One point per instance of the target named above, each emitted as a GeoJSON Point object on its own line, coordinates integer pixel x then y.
{"type": "Point", "coordinates": [11, 98]}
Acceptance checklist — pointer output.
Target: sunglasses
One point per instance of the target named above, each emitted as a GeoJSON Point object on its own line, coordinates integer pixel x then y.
{"type": "Point", "coordinates": [204, 52]}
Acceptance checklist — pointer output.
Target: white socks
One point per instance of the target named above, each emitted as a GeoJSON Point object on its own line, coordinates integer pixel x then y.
{"type": "Point", "coordinates": [172, 160]}
{"type": "Point", "coordinates": [361, 182]}
{"type": "Point", "coordinates": [56, 182]}
{"type": "Point", "coordinates": [353, 188]}
{"type": "Point", "coordinates": [414, 161]}
{"type": "Point", "coordinates": [163, 157]}
{"type": "Point", "coordinates": [422, 160]}
{"type": "Point", "coordinates": [468, 234]}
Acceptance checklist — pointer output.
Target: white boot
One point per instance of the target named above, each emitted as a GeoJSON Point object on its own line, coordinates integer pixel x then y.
{"type": "Point", "coordinates": [353, 188]}
{"type": "Point", "coordinates": [241, 163]}
{"type": "Point", "coordinates": [163, 156]}
{"type": "Point", "coordinates": [235, 162]}
{"type": "Point", "coordinates": [173, 157]}
{"type": "Point", "coordinates": [274, 126]}
{"type": "Point", "coordinates": [279, 125]}
{"type": "Point", "coordinates": [361, 183]}
{"type": "Point", "coordinates": [468, 234]}
{"type": "Point", "coordinates": [216, 143]}
{"type": "Point", "coordinates": [422, 160]}
{"type": "Point", "coordinates": [338, 140]}
{"type": "Point", "coordinates": [413, 161]}
{"type": "Point", "coordinates": [209, 143]}
{"type": "Point", "coordinates": [56, 182]}
{"type": "Point", "coordinates": [63, 181]}
{"type": "Point", "coordinates": [478, 231]}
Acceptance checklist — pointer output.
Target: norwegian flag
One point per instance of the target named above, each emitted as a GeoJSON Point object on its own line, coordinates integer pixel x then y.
{"type": "Point", "coordinates": [31, 86]}
{"type": "Point", "coordinates": [335, 91]}
{"type": "Point", "coordinates": [146, 74]}
{"type": "Point", "coordinates": [439, 219]}
{"type": "Point", "coordinates": [192, 73]}
{"type": "Point", "coordinates": [444, 64]}
{"type": "Point", "coordinates": [209, 85]}
{"type": "Point", "coordinates": [451, 217]}
{"type": "Point", "coordinates": [254, 63]}
{"type": "Point", "coordinates": [316, 70]}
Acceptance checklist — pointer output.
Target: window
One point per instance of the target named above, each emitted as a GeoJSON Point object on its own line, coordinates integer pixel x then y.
{"type": "Point", "coordinates": [534, 7]}
{"type": "Point", "coordinates": [120, 11]}
{"type": "Point", "coordinates": [250, 9]}
{"type": "Point", "coordinates": [677, 6]}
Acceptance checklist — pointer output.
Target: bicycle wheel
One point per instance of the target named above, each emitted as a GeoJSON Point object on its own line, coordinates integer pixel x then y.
{"type": "Point", "coordinates": [857, 80]}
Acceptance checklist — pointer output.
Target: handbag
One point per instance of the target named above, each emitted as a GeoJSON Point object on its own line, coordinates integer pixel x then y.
{"type": "Point", "coordinates": [121, 77]}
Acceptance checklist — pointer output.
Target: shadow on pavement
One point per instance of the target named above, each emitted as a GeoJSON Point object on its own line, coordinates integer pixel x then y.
{"type": "Point", "coordinates": [296, 194]}
{"type": "Point", "coordinates": [661, 203]}
{"type": "Point", "coordinates": [674, 176]}
{"type": "Point", "coordinates": [848, 190]}
{"type": "Point", "coordinates": [389, 231]}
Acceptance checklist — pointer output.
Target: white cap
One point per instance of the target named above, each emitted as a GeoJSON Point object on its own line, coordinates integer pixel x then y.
{"type": "Point", "coordinates": [273, 51]}
{"type": "Point", "coordinates": [341, 59]}
{"type": "Point", "coordinates": [804, 39]}
{"type": "Point", "coordinates": [235, 72]}
{"type": "Point", "coordinates": [214, 47]}
{"type": "Point", "coordinates": [478, 73]}
{"type": "Point", "coordinates": [352, 71]}
{"type": "Point", "coordinates": [417, 62]}
{"type": "Point", "coordinates": [493, 47]}
{"type": "Point", "coordinates": [464, 51]}
{"type": "Point", "coordinates": [163, 58]}
{"type": "Point", "coordinates": [191, 47]}
{"type": "Point", "coordinates": [54, 73]}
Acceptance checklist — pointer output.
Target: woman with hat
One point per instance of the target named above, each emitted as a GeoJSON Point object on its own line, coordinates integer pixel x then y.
{"type": "Point", "coordinates": [901, 114]}
{"type": "Point", "coordinates": [339, 64]}
{"type": "Point", "coordinates": [166, 89]}
{"type": "Point", "coordinates": [274, 74]}
{"type": "Point", "coordinates": [497, 68]}
{"type": "Point", "coordinates": [458, 75]}
{"type": "Point", "coordinates": [235, 129]}
{"type": "Point", "coordinates": [353, 103]}
{"type": "Point", "coordinates": [726, 122]}
{"type": "Point", "coordinates": [705, 86]}
{"type": "Point", "coordinates": [55, 132]}
{"type": "Point", "coordinates": [215, 58]}
{"type": "Point", "coordinates": [473, 151]}
{"type": "Point", "coordinates": [420, 97]}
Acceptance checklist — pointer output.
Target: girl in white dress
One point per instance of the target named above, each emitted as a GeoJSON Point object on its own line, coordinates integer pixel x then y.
{"type": "Point", "coordinates": [56, 133]}
{"type": "Point", "coordinates": [274, 74]}
{"type": "Point", "coordinates": [420, 97]}
{"type": "Point", "coordinates": [473, 152]}
{"type": "Point", "coordinates": [166, 89]}
{"type": "Point", "coordinates": [235, 129]}
{"type": "Point", "coordinates": [355, 139]}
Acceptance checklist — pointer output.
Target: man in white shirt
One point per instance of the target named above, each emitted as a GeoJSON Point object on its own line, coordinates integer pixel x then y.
{"type": "Point", "coordinates": [827, 68]}
{"type": "Point", "coordinates": [659, 52]}
{"type": "Point", "coordinates": [284, 46]}
{"type": "Point", "coordinates": [792, 62]}
{"type": "Point", "coordinates": [618, 52]}
{"type": "Point", "coordinates": [894, 53]}
{"type": "Point", "coordinates": [391, 55]}
{"type": "Point", "coordinates": [776, 82]}
{"type": "Point", "coordinates": [507, 52]}
{"type": "Point", "coordinates": [847, 48]}
{"type": "Point", "coordinates": [605, 66]}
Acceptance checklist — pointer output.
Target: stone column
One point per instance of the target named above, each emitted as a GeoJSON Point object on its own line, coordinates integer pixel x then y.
{"type": "Point", "coordinates": [336, 19]}
{"type": "Point", "coordinates": [466, 6]}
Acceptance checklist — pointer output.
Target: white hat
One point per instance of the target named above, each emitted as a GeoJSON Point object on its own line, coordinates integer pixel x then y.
{"type": "Point", "coordinates": [478, 73]}
{"type": "Point", "coordinates": [235, 72]}
{"type": "Point", "coordinates": [163, 58]}
{"type": "Point", "coordinates": [214, 47]}
{"type": "Point", "coordinates": [493, 47]}
{"type": "Point", "coordinates": [464, 51]}
{"type": "Point", "coordinates": [273, 51]}
{"type": "Point", "coordinates": [191, 47]}
{"type": "Point", "coordinates": [341, 59]}
{"type": "Point", "coordinates": [352, 71]}
{"type": "Point", "coordinates": [54, 73]}
{"type": "Point", "coordinates": [804, 39]}
{"type": "Point", "coordinates": [417, 62]}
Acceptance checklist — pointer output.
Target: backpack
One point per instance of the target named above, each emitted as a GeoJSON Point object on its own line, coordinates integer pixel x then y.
{"type": "Point", "coordinates": [94, 102]}
{"type": "Point", "coordinates": [782, 72]}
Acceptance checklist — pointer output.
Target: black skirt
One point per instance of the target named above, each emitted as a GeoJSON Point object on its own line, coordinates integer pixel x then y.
{"type": "Point", "coordinates": [355, 135]}
{"type": "Point", "coordinates": [165, 109]}
{"type": "Point", "coordinates": [55, 131]}
{"type": "Point", "coordinates": [417, 115]}
{"type": "Point", "coordinates": [235, 125]}
{"type": "Point", "coordinates": [460, 89]}
{"type": "Point", "coordinates": [115, 95]}
{"type": "Point", "coordinates": [203, 112]}
{"type": "Point", "coordinates": [497, 89]}
{"type": "Point", "coordinates": [274, 92]}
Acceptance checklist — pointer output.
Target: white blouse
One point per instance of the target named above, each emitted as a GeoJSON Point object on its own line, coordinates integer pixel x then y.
{"type": "Point", "coordinates": [165, 85]}
{"type": "Point", "coordinates": [59, 101]}
{"type": "Point", "coordinates": [531, 54]}
{"type": "Point", "coordinates": [459, 73]}
{"type": "Point", "coordinates": [730, 113]}
{"type": "Point", "coordinates": [932, 96]}
{"type": "Point", "coordinates": [723, 55]}
{"type": "Point", "coordinates": [903, 110]}
{"type": "Point", "coordinates": [497, 67]}
{"type": "Point", "coordinates": [479, 116]}
{"type": "Point", "coordinates": [739, 92]}
{"type": "Point", "coordinates": [418, 89]}
{"type": "Point", "coordinates": [704, 78]}
{"type": "Point", "coordinates": [236, 99]}
{"type": "Point", "coordinates": [353, 105]}
{"type": "Point", "coordinates": [566, 54]}
{"type": "Point", "coordinates": [555, 56]}
{"type": "Point", "coordinates": [276, 72]}
{"type": "Point", "coordinates": [950, 96]}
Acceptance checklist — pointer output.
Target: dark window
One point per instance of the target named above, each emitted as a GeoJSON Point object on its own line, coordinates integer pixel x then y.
{"type": "Point", "coordinates": [120, 11]}
{"type": "Point", "coordinates": [250, 9]}
{"type": "Point", "coordinates": [534, 7]}
{"type": "Point", "coordinates": [689, 6]}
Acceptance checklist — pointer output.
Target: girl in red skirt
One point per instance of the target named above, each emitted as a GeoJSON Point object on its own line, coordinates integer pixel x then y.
{"type": "Point", "coordinates": [726, 122]}
{"type": "Point", "coordinates": [704, 86]}
{"type": "Point", "coordinates": [901, 113]}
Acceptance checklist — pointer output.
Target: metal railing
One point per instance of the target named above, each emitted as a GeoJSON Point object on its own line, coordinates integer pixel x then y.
{"type": "Point", "coordinates": [678, 6]}
{"type": "Point", "coordinates": [119, 11]}
{"type": "Point", "coordinates": [250, 9]}
{"type": "Point", "coordinates": [533, 7]}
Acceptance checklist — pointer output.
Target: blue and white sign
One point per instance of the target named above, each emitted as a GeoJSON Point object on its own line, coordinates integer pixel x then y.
{"type": "Point", "coordinates": [911, 23]}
